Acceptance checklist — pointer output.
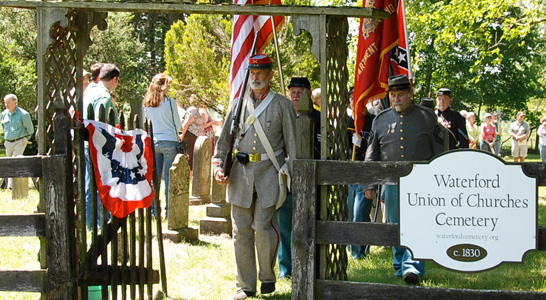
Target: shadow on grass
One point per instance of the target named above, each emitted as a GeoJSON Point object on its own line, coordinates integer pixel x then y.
{"type": "Point", "coordinates": [526, 276]}
{"type": "Point", "coordinates": [276, 296]}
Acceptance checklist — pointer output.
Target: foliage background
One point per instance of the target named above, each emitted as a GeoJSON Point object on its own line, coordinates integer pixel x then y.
{"type": "Point", "coordinates": [18, 56]}
{"type": "Point", "coordinates": [197, 56]}
{"type": "Point", "coordinates": [490, 53]}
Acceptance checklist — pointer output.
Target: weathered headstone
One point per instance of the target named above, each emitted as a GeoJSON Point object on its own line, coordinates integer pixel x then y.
{"type": "Point", "coordinates": [202, 154]}
{"type": "Point", "coordinates": [218, 219]}
{"type": "Point", "coordinates": [179, 205]}
{"type": "Point", "coordinates": [19, 187]}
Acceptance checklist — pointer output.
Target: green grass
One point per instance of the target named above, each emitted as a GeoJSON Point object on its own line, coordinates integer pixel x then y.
{"type": "Point", "coordinates": [206, 269]}
{"type": "Point", "coordinates": [198, 270]}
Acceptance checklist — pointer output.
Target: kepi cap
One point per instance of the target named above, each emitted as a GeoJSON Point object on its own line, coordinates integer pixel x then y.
{"type": "Point", "coordinates": [488, 115]}
{"type": "Point", "coordinates": [399, 82]}
{"type": "Point", "coordinates": [444, 91]}
{"type": "Point", "coordinates": [427, 102]}
{"type": "Point", "coordinates": [351, 90]}
{"type": "Point", "coordinates": [300, 82]}
{"type": "Point", "coordinates": [260, 61]}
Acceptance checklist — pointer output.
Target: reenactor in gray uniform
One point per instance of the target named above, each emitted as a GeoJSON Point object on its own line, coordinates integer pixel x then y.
{"type": "Point", "coordinates": [404, 132]}
{"type": "Point", "coordinates": [253, 184]}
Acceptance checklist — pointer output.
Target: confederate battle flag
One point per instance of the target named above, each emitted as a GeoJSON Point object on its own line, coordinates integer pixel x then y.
{"type": "Point", "coordinates": [380, 43]}
{"type": "Point", "coordinates": [123, 162]}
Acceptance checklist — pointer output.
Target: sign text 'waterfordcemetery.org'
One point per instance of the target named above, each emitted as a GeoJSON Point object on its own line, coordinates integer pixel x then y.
{"type": "Point", "coordinates": [468, 211]}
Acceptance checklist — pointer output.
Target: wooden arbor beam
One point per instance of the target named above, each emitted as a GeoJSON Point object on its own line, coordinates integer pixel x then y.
{"type": "Point", "coordinates": [171, 7]}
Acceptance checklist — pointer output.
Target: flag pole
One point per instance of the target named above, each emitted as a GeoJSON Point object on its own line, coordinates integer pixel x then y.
{"type": "Point", "coordinates": [277, 55]}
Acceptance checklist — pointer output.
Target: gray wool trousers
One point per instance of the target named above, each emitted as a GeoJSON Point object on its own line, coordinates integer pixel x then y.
{"type": "Point", "coordinates": [255, 233]}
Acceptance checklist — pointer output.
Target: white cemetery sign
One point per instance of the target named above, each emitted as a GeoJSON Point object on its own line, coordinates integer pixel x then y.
{"type": "Point", "coordinates": [468, 211]}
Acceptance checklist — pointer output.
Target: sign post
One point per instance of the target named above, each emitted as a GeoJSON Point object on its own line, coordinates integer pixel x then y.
{"type": "Point", "coordinates": [468, 211]}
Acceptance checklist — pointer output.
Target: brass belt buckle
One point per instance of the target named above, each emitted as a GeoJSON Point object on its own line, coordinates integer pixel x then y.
{"type": "Point", "coordinates": [255, 157]}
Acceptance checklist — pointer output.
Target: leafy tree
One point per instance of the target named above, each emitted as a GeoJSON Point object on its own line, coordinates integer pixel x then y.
{"type": "Point", "coordinates": [197, 57]}
{"type": "Point", "coordinates": [295, 52]}
{"type": "Point", "coordinates": [485, 51]}
{"type": "Point", "coordinates": [17, 60]}
{"type": "Point", "coordinates": [295, 56]}
{"type": "Point", "coordinates": [118, 45]}
{"type": "Point", "coordinates": [151, 29]}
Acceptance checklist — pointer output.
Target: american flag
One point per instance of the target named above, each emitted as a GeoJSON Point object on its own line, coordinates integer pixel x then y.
{"type": "Point", "coordinates": [244, 32]}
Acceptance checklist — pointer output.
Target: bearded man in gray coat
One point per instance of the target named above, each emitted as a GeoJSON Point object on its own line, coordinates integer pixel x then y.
{"type": "Point", "coordinates": [253, 184]}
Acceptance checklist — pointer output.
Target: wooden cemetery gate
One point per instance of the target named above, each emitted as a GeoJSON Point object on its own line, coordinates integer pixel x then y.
{"type": "Point", "coordinates": [313, 232]}
{"type": "Point", "coordinates": [118, 252]}
{"type": "Point", "coordinates": [128, 263]}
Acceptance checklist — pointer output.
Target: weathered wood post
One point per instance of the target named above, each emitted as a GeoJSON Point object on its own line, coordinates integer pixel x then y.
{"type": "Point", "coordinates": [304, 204]}
{"type": "Point", "coordinates": [179, 204]}
{"type": "Point", "coordinates": [200, 191]}
{"type": "Point", "coordinates": [305, 128]}
{"type": "Point", "coordinates": [58, 189]}
{"type": "Point", "coordinates": [304, 193]}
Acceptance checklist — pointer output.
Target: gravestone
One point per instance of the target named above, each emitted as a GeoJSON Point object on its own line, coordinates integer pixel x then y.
{"type": "Point", "coordinates": [202, 154]}
{"type": "Point", "coordinates": [19, 187]}
{"type": "Point", "coordinates": [179, 206]}
{"type": "Point", "coordinates": [218, 219]}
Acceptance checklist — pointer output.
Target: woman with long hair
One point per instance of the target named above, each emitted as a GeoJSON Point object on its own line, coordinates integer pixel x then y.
{"type": "Point", "coordinates": [162, 111]}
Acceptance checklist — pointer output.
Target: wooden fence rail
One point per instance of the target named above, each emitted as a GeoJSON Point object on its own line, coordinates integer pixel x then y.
{"type": "Point", "coordinates": [51, 225]}
{"type": "Point", "coordinates": [310, 233]}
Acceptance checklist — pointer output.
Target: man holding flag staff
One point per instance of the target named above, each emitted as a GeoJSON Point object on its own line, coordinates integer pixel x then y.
{"type": "Point", "coordinates": [265, 136]}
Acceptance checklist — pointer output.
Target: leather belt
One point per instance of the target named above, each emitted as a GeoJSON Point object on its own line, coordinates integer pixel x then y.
{"type": "Point", "coordinates": [256, 157]}
{"type": "Point", "coordinates": [15, 140]}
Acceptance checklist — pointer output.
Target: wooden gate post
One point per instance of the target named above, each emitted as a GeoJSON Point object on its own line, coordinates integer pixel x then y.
{"type": "Point", "coordinates": [304, 268]}
{"type": "Point", "coordinates": [58, 235]}
{"type": "Point", "coordinates": [59, 206]}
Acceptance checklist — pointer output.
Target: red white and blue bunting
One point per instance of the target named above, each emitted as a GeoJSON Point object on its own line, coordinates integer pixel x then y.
{"type": "Point", "coordinates": [123, 164]}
